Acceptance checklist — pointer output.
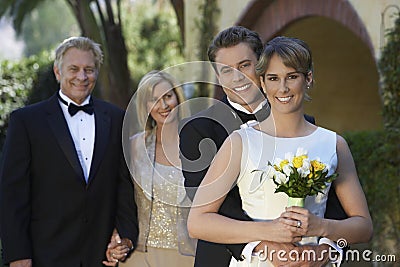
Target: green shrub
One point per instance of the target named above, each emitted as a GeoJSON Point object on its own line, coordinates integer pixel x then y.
{"type": "Point", "coordinates": [17, 79]}
{"type": "Point", "coordinates": [382, 161]}
{"type": "Point", "coordinates": [378, 167]}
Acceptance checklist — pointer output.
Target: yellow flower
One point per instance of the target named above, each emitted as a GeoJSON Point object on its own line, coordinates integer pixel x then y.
{"type": "Point", "coordinates": [298, 161]}
{"type": "Point", "coordinates": [318, 166]}
{"type": "Point", "coordinates": [298, 176]}
{"type": "Point", "coordinates": [283, 163]}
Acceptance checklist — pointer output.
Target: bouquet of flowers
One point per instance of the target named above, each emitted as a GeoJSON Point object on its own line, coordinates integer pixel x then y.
{"type": "Point", "coordinates": [297, 175]}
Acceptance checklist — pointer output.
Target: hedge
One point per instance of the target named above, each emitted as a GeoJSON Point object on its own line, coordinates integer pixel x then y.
{"type": "Point", "coordinates": [377, 161]}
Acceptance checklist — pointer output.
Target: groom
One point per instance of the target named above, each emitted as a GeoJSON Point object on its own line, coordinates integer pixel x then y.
{"type": "Point", "coordinates": [234, 53]}
{"type": "Point", "coordinates": [64, 183]}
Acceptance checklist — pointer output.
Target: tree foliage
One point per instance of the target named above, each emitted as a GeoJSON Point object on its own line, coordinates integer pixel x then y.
{"type": "Point", "coordinates": [46, 26]}
{"type": "Point", "coordinates": [153, 38]}
{"type": "Point", "coordinates": [99, 20]}
{"type": "Point", "coordinates": [389, 66]}
{"type": "Point", "coordinates": [207, 25]}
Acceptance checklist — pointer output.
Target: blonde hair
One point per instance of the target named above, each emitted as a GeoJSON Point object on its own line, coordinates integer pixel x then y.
{"type": "Point", "coordinates": [145, 93]}
{"type": "Point", "coordinates": [81, 43]}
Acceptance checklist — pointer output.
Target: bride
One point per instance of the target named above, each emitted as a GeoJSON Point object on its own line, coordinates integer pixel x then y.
{"type": "Point", "coordinates": [286, 73]}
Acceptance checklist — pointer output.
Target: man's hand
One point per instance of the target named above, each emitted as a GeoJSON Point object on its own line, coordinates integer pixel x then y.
{"type": "Point", "coordinates": [287, 254]}
{"type": "Point", "coordinates": [323, 253]}
{"type": "Point", "coordinates": [117, 250]}
{"type": "Point", "coordinates": [21, 263]}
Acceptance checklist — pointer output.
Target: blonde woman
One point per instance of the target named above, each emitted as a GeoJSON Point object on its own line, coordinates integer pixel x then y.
{"type": "Point", "coordinates": [155, 166]}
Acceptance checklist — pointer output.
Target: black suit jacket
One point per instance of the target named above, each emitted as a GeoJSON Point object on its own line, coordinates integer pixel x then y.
{"type": "Point", "coordinates": [200, 137]}
{"type": "Point", "coordinates": [48, 212]}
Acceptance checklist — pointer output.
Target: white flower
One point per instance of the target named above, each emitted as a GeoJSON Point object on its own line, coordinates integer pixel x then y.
{"type": "Point", "coordinates": [327, 168]}
{"type": "Point", "coordinates": [287, 169]}
{"type": "Point", "coordinates": [289, 156]}
{"type": "Point", "coordinates": [281, 178]}
{"type": "Point", "coordinates": [277, 161]}
{"type": "Point", "coordinates": [270, 172]}
{"type": "Point", "coordinates": [306, 163]}
{"type": "Point", "coordinates": [301, 151]}
{"type": "Point", "coordinates": [304, 172]}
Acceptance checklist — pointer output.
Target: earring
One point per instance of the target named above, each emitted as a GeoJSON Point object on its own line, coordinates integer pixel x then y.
{"type": "Point", "coordinates": [308, 86]}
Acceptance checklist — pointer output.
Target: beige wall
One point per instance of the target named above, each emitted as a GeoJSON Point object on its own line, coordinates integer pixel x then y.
{"type": "Point", "coordinates": [191, 15]}
{"type": "Point", "coordinates": [230, 15]}
{"type": "Point", "coordinates": [370, 12]}
{"type": "Point", "coordinates": [345, 96]}
{"type": "Point", "coordinates": [230, 11]}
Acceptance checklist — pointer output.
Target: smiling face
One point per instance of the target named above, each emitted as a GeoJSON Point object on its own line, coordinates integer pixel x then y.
{"type": "Point", "coordinates": [162, 104]}
{"type": "Point", "coordinates": [78, 74]}
{"type": "Point", "coordinates": [284, 86]}
{"type": "Point", "coordinates": [236, 74]}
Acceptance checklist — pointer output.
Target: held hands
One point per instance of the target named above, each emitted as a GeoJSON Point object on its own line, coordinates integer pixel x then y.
{"type": "Point", "coordinates": [301, 221]}
{"type": "Point", "coordinates": [292, 225]}
{"type": "Point", "coordinates": [117, 250]}
{"type": "Point", "coordinates": [21, 263]}
{"type": "Point", "coordinates": [279, 231]}
{"type": "Point", "coordinates": [289, 228]}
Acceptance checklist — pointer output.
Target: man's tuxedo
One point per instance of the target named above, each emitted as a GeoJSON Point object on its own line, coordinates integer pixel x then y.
{"type": "Point", "coordinates": [48, 211]}
{"type": "Point", "coordinates": [200, 137]}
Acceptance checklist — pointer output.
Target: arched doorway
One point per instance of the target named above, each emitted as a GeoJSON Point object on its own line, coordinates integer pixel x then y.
{"type": "Point", "coordinates": [345, 96]}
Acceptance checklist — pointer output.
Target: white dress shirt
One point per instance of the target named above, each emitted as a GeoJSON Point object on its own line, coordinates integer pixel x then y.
{"type": "Point", "coordinates": [82, 129]}
{"type": "Point", "coordinates": [241, 108]}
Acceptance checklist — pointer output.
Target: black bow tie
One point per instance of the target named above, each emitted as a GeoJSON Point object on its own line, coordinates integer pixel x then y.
{"type": "Point", "coordinates": [73, 109]}
{"type": "Point", "coordinates": [259, 116]}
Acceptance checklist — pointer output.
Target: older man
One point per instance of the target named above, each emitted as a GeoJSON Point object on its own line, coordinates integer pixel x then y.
{"type": "Point", "coordinates": [64, 183]}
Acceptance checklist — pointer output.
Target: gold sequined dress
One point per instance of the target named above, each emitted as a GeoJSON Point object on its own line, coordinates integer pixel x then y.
{"type": "Point", "coordinates": [161, 200]}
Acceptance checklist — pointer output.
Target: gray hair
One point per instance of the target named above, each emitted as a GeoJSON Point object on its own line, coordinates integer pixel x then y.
{"type": "Point", "coordinates": [81, 43]}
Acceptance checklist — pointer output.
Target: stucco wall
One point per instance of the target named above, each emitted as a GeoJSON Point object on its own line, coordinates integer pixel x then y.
{"type": "Point", "coordinates": [370, 12]}
{"type": "Point", "coordinates": [345, 96]}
